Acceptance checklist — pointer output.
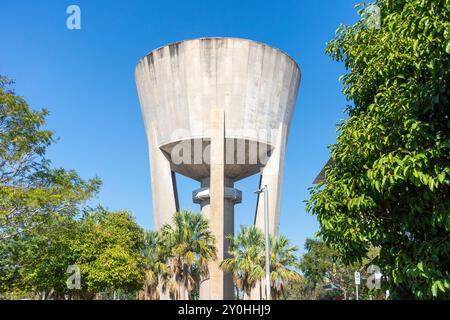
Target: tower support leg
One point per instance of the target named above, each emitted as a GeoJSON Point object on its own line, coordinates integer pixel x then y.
{"type": "Point", "coordinates": [272, 177]}
{"type": "Point", "coordinates": [164, 190]}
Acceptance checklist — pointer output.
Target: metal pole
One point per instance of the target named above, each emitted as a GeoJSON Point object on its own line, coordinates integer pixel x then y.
{"type": "Point", "coordinates": [266, 227]}
{"type": "Point", "coordinates": [357, 296]}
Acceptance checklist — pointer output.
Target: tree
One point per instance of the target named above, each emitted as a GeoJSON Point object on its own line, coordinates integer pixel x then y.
{"type": "Point", "coordinates": [190, 246]}
{"type": "Point", "coordinates": [30, 190]}
{"type": "Point", "coordinates": [327, 277]}
{"type": "Point", "coordinates": [33, 196]}
{"type": "Point", "coordinates": [46, 257]}
{"type": "Point", "coordinates": [108, 249]}
{"type": "Point", "coordinates": [246, 250]}
{"type": "Point", "coordinates": [157, 271]}
{"type": "Point", "coordinates": [105, 245]}
{"type": "Point", "coordinates": [283, 263]}
{"type": "Point", "coordinates": [43, 227]}
{"type": "Point", "coordinates": [35, 262]}
{"type": "Point", "coordinates": [247, 261]}
{"type": "Point", "coordinates": [389, 184]}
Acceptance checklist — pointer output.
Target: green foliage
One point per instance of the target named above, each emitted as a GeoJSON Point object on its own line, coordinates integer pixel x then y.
{"type": "Point", "coordinates": [30, 191]}
{"type": "Point", "coordinates": [326, 277]}
{"type": "Point", "coordinates": [282, 262]}
{"type": "Point", "coordinates": [105, 245]}
{"type": "Point", "coordinates": [297, 291]}
{"type": "Point", "coordinates": [389, 184]}
{"type": "Point", "coordinates": [36, 260]}
{"type": "Point", "coordinates": [157, 271]}
{"type": "Point", "coordinates": [246, 251]}
{"type": "Point", "coordinates": [41, 229]}
{"type": "Point", "coordinates": [247, 262]}
{"type": "Point", "coordinates": [108, 249]}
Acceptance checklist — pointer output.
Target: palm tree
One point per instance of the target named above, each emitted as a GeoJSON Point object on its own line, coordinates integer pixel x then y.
{"type": "Point", "coordinates": [157, 272]}
{"type": "Point", "coordinates": [190, 245]}
{"type": "Point", "coordinates": [283, 263]}
{"type": "Point", "coordinates": [245, 251]}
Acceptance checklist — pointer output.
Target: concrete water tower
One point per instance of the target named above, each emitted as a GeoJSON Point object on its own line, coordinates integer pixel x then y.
{"type": "Point", "coordinates": [217, 110]}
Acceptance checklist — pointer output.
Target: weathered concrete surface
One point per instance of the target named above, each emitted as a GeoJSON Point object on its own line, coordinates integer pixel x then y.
{"type": "Point", "coordinates": [216, 214]}
{"type": "Point", "coordinates": [231, 197]}
{"type": "Point", "coordinates": [254, 85]}
{"type": "Point", "coordinates": [165, 199]}
{"type": "Point", "coordinates": [272, 177]}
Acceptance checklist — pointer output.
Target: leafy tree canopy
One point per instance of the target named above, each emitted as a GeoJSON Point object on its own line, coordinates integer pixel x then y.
{"type": "Point", "coordinates": [106, 247]}
{"type": "Point", "coordinates": [247, 261]}
{"type": "Point", "coordinates": [389, 186]}
{"type": "Point", "coordinates": [43, 226]}
{"type": "Point", "coordinates": [326, 277]}
{"type": "Point", "coordinates": [30, 190]}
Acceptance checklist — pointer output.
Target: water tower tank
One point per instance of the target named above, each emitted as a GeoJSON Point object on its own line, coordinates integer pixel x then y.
{"type": "Point", "coordinates": [217, 110]}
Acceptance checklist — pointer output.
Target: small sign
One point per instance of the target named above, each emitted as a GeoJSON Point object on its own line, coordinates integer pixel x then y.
{"type": "Point", "coordinates": [357, 278]}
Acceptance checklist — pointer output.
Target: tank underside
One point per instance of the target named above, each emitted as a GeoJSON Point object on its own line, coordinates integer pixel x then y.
{"type": "Point", "coordinates": [243, 157]}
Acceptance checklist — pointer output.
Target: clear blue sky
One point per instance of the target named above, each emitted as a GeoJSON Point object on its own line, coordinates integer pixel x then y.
{"type": "Point", "coordinates": [85, 78]}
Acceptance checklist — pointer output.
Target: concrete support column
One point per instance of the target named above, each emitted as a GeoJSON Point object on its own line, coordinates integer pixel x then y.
{"type": "Point", "coordinates": [232, 196]}
{"type": "Point", "coordinates": [217, 185]}
{"type": "Point", "coordinates": [217, 198]}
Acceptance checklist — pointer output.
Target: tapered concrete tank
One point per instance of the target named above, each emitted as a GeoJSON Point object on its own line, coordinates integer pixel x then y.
{"type": "Point", "coordinates": [217, 110]}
